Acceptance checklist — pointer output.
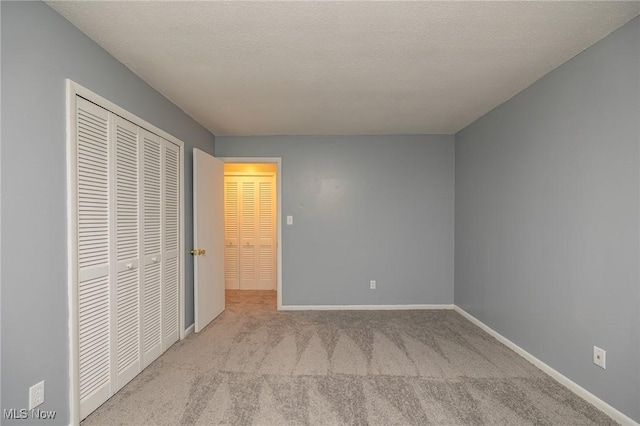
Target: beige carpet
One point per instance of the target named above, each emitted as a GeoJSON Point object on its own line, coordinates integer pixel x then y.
{"type": "Point", "coordinates": [256, 366]}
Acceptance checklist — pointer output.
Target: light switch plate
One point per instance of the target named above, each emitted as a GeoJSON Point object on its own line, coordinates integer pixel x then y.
{"type": "Point", "coordinates": [289, 220]}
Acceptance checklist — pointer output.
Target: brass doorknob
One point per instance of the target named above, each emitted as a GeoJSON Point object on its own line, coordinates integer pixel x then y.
{"type": "Point", "coordinates": [197, 252]}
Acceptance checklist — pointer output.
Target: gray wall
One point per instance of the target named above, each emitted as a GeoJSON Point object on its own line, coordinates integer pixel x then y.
{"type": "Point", "coordinates": [364, 207]}
{"type": "Point", "coordinates": [39, 50]}
{"type": "Point", "coordinates": [547, 218]}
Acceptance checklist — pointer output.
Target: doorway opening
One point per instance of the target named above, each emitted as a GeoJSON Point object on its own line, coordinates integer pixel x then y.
{"type": "Point", "coordinates": [251, 232]}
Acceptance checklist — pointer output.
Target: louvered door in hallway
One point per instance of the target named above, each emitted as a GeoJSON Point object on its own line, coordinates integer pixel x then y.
{"type": "Point", "coordinates": [250, 240]}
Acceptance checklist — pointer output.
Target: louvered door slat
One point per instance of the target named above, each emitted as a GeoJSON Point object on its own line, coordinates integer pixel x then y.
{"type": "Point", "coordinates": [231, 263]}
{"type": "Point", "coordinates": [231, 231]}
{"type": "Point", "coordinates": [93, 198]}
{"type": "Point", "coordinates": [231, 208]}
{"type": "Point", "coordinates": [265, 259]}
{"type": "Point", "coordinates": [170, 323]}
{"type": "Point", "coordinates": [152, 310]}
{"type": "Point", "coordinates": [94, 336]}
{"type": "Point", "coordinates": [127, 253]}
{"type": "Point", "coordinates": [152, 259]}
{"type": "Point", "coordinates": [247, 222]}
{"type": "Point", "coordinates": [266, 229]}
{"type": "Point", "coordinates": [171, 195]}
{"type": "Point", "coordinates": [247, 227]}
{"type": "Point", "coordinates": [152, 188]}
{"type": "Point", "coordinates": [127, 322]}
{"type": "Point", "coordinates": [247, 267]}
{"type": "Point", "coordinates": [265, 208]}
{"type": "Point", "coordinates": [171, 221]}
{"type": "Point", "coordinates": [126, 191]}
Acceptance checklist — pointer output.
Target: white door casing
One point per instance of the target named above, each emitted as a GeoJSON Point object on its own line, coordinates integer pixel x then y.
{"type": "Point", "coordinates": [208, 235]}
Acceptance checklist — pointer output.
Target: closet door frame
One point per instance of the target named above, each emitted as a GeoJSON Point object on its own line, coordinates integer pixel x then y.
{"type": "Point", "coordinates": [279, 218]}
{"type": "Point", "coordinates": [74, 90]}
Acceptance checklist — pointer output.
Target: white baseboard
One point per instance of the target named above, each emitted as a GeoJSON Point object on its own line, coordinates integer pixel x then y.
{"type": "Point", "coordinates": [189, 329]}
{"type": "Point", "coordinates": [615, 414]}
{"type": "Point", "coordinates": [362, 307]}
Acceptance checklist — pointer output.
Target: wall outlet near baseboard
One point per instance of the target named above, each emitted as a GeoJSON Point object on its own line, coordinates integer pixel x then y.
{"type": "Point", "coordinates": [600, 357]}
{"type": "Point", "coordinates": [372, 284]}
{"type": "Point", "coordinates": [36, 395]}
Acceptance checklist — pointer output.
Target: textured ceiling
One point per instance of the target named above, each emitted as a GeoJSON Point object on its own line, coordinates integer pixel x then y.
{"type": "Point", "coordinates": [343, 67]}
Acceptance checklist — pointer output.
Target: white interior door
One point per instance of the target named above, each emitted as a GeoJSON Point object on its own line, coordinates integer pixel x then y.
{"type": "Point", "coordinates": [257, 234]}
{"type": "Point", "coordinates": [171, 244]}
{"type": "Point", "coordinates": [127, 276]}
{"type": "Point", "coordinates": [250, 212]}
{"type": "Point", "coordinates": [208, 234]}
{"type": "Point", "coordinates": [93, 259]}
{"type": "Point", "coordinates": [152, 260]}
{"type": "Point", "coordinates": [266, 235]}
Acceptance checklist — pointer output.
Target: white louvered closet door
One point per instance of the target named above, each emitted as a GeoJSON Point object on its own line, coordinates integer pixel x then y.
{"type": "Point", "coordinates": [171, 212]}
{"type": "Point", "coordinates": [152, 202]}
{"type": "Point", "coordinates": [250, 211]}
{"type": "Point", "coordinates": [94, 292]}
{"type": "Point", "coordinates": [231, 233]}
{"type": "Point", "coordinates": [265, 233]}
{"type": "Point", "coordinates": [127, 194]}
{"type": "Point", "coordinates": [127, 235]}
{"type": "Point", "coordinates": [248, 234]}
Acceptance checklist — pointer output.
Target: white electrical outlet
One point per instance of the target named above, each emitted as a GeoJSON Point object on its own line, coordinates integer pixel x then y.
{"type": "Point", "coordinates": [36, 395]}
{"type": "Point", "coordinates": [289, 220]}
{"type": "Point", "coordinates": [372, 284]}
{"type": "Point", "coordinates": [600, 357]}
